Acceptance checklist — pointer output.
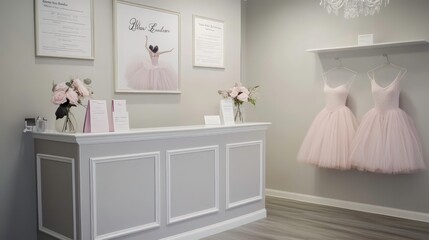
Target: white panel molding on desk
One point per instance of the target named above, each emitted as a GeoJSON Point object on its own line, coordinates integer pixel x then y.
{"type": "Point", "coordinates": [59, 159]}
{"type": "Point", "coordinates": [260, 159]}
{"type": "Point", "coordinates": [155, 156]}
{"type": "Point", "coordinates": [186, 152]}
{"type": "Point", "coordinates": [373, 46]}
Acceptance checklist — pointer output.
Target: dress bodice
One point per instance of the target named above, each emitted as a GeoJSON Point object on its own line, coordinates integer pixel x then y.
{"type": "Point", "coordinates": [386, 98]}
{"type": "Point", "coordinates": [154, 59]}
{"type": "Point", "coordinates": [335, 96]}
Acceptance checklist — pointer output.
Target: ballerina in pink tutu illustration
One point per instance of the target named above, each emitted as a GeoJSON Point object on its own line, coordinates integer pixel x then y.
{"type": "Point", "coordinates": [153, 74]}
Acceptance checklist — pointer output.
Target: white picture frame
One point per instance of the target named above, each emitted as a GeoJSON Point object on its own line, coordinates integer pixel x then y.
{"type": "Point", "coordinates": [208, 42]}
{"type": "Point", "coordinates": [64, 29]}
{"type": "Point", "coordinates": [147, 49]}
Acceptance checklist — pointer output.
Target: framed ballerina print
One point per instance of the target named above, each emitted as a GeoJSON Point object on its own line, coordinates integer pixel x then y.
{"type": "Point", "coordinates": [146, 49]}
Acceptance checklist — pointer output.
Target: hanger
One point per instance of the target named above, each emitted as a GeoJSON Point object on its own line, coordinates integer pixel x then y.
{"type": "Point", "coordinates": [340, 66]}
{"type": "Point", "coordinates": [402, 70]}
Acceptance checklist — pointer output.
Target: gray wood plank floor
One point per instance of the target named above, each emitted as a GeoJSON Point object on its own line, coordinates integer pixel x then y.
{"type": "Point", "coordinates": [291, 220]}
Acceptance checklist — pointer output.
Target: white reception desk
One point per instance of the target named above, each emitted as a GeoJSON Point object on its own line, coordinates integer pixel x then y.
{"type": "Point", "coordinates": [161, 183]}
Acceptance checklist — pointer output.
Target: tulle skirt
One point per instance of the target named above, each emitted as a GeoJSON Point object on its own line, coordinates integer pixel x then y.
{"type": "Point", "coordinates": [327, 143]}
{"type": "Point", "coordinates": [145, 76]}
{"type": "Point", "coordinates": [387, 143]}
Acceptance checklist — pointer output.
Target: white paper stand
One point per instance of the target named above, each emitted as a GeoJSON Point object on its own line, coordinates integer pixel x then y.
{"type": "Point", "coordinates": [227, 111]}
{"type": "Point", "coordinates": [120, 117]}
{"type": "Point", "coordinates": [212, 120]}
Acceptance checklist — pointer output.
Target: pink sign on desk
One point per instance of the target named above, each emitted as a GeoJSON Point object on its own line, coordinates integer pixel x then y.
{"type": "Point", "coordinates": [96, 118]}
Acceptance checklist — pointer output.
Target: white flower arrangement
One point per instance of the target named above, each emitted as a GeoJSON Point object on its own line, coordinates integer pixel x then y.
{"type": "Point", "coordinates": [240, 94]}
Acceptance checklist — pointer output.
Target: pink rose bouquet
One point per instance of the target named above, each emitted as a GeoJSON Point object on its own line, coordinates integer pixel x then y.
{"type": "Point", "coordinates": [240, 94]}
{"type": "Point", "coordinates": [69, 94]}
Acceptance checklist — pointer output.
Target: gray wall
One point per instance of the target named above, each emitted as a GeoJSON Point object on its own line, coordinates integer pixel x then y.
{"type": "Point", "coordinates": [26, 83]}
{"type": "Point", "coordinates": [277, 34]}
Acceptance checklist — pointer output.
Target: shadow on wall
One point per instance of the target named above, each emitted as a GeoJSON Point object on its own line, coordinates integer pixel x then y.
{"type": "Point", "coordinates": [401, 191]}
{"type": "Point", "coordinates": [373, 187]}
{"type": "Point", "coordinates": [23, 200]}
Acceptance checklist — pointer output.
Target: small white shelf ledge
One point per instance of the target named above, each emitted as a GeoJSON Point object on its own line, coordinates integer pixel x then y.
{"type": "Point", "coordinates": [373, 46]}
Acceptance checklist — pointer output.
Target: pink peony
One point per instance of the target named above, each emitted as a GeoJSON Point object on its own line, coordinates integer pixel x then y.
{"type": "Point", "coordinates": [59, 97]}
{"type": "Point", "coordinates": [72, 97]}
{"type": "Point", "coordinates": [244, 90]}
{"type": "Point", "coordinates": [243, 97]}
{"type": "Point", "coordinates": [61, 87]}
{"type": "Point", "coordinates": [80, 87]}
{"type": "Point", "coordinates": [234, 92]}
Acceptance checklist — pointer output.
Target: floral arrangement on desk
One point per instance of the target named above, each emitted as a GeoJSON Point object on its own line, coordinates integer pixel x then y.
{"type": "Point", "coordinates": [67, 95]}
{"type": "Point", "coordinates": [240, 94]}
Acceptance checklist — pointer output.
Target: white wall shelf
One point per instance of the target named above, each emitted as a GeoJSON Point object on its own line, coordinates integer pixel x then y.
{"type": "Point", "coordinates": [373, 46]}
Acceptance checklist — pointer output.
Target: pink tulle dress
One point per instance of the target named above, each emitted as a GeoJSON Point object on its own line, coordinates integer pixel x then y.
{"type": "Point", "coordinates": [153, 75]}
{"type": "Point", "coordinates": [387, 140]}
{"type": "Point", "coordinates": [329, 137]}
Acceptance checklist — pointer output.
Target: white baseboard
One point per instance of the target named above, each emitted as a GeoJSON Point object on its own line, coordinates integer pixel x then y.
{"type": "Point", "coordinates": [394, 212]}
{"type": "Point", "coordinates": [219, 227]}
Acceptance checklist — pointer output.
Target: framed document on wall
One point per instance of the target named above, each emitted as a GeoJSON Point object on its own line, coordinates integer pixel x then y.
{"type": "Point", "coordinates": [147, 49]}
{"type": "Point", "coordinates": [208, 42]}
{"type": "Point", "coordinates": [64, 28]}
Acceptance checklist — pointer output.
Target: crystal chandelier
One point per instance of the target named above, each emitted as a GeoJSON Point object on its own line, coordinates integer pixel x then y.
{"type": "Point", "coordinates": [354, 8]}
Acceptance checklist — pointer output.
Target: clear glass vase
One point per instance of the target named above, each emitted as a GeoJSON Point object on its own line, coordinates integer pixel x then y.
{"type": "Point", "coordinates": [238, 115]}
{"type": "Point", "coordinates": [67, 124]}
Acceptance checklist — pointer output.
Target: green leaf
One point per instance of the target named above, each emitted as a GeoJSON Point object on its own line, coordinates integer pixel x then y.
{"type": "Point", "coordinates": [87, 81]}
{"type": "Point", "coordinates": [252, 101]}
